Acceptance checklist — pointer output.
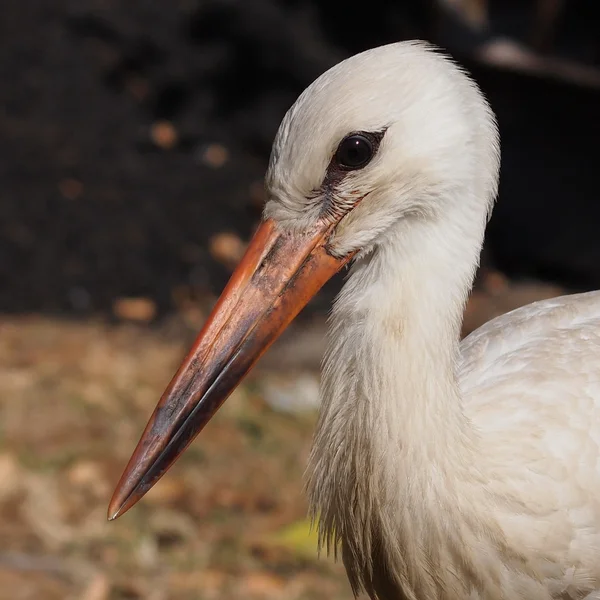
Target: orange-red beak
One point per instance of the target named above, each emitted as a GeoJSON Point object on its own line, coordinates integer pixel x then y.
{"type": "Point", "coordinates": [278, 275]}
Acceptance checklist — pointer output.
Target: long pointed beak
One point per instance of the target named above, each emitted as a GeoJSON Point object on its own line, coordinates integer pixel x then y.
{"type": "Point", "coordinates": [278, 275]}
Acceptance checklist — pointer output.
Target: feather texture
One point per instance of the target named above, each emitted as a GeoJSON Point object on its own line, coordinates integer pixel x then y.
{"type": "Point", "coordinates": [443, 469]}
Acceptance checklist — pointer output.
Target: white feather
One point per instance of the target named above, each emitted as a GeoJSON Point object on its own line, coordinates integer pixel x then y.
{"type": "Point", "coordinates": [445, 470]}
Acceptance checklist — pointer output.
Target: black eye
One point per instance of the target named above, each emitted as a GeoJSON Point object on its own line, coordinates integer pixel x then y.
{"type": "Point", "coordinates": [354, 152]}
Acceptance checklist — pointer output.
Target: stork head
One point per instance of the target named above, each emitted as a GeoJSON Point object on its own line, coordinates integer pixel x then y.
{"type": "Point", "coordinates": [388, 136]}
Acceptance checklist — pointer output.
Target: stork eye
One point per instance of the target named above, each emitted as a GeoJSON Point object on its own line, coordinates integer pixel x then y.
{"type": "Point", "coordinates": [354, 152]}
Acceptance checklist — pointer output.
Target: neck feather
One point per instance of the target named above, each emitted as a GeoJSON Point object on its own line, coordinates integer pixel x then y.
{"type": "Point", "coordinates": [392, 438]}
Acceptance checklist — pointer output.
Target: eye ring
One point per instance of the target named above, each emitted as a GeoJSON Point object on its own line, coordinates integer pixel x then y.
{"type": "Point", "coordinates": [355, 151]}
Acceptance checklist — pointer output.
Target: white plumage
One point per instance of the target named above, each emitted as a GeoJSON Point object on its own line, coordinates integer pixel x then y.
{"type": "Point", "coordinates": [444, 470]}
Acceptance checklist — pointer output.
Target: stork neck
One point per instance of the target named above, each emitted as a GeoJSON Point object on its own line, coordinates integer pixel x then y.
{"type": "Point", "coordinates": [392, 433]}
{"type": "Point", "coordinates": [397, 323]}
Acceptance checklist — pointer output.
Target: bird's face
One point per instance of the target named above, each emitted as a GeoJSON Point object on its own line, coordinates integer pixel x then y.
{"type": "Point", "coordinates": [378, 139]}
{"type": "Point", "coordinates": [382, 137]}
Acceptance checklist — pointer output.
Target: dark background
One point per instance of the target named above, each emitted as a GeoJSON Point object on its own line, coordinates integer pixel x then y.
{"type": "Point", "coordinates": [94, 208]}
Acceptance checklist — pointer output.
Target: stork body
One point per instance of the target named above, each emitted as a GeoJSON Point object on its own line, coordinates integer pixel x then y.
{"type": "Point", "coordinates": [480, 480]}
{"type": "Point", "coordinates": [444, 470]}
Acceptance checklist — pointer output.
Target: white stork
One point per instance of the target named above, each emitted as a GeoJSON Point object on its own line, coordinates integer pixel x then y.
{"type": "Point", "coordinates": [443, 469]}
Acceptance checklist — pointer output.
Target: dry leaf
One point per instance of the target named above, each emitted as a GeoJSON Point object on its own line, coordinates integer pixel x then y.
{"type": "Point", "coordinates": [209, 582]}
{"type": "Point", "coordinates": [299, 538]}
{"type": "Point", "coordinates": [227, 248]}
{"type": "Point", "coordinates": [168, 491]}
{"type": "Point", "coordinates": [10, 476]}
{"type": "Point", "coordinates": [98, 588]}
{"type": "Point", "coordinates": [45, 512]}
{"type": "Point", "coordinates": [262, 585]}
{"type": "Point", "coordinates": [135, 309]}
{"type": "Point", "coordinates": [164, 134]}
{"type": "Point", "coordinates": [215, 156]}
{"type": "Point", "coordinates": [88, 474]}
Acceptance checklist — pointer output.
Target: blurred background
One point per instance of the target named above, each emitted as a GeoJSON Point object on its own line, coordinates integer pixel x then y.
{"type": "Point", "coordinates": [134, 136]}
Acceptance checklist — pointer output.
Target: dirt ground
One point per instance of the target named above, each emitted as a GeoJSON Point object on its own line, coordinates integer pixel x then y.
{"type": "Point", "coordinates": [74, 398]}
{"type": "Point", "coordinates": [227, 521]}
